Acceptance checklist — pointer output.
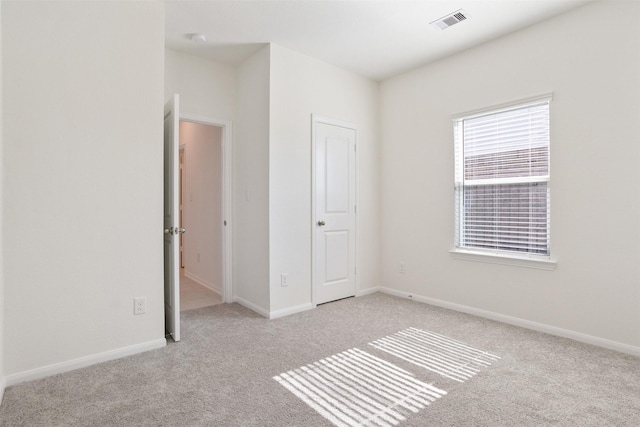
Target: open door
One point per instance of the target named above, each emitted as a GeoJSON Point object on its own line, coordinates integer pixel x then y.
{"type": "Point", "coordinates": [172, 228]}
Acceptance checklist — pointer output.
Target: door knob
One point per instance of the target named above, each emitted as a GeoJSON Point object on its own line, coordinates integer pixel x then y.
{"type": "Point", "coordinates": [321, 223]}
{"type": "Point", "coordinates": [174, 230]}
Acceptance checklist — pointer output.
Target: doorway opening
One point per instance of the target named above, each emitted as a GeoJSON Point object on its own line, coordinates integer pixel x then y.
{"type": "Point", "coordinates": [201, 210]}
{"type": "Point", "coordinates": [172, 224]}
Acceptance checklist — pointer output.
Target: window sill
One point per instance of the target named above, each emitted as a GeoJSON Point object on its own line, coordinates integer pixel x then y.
{"type": "Point", "coordinates": [494, 258]}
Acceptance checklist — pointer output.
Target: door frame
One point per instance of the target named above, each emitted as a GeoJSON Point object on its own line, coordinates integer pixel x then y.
{"type": "Point", "coordinates": [315, 120]}
{"type": "Point", "coordinates": [227, 162]}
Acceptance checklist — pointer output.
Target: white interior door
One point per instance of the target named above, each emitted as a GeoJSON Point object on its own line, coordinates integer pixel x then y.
{"type": "Point", "coordinates": [334, 255]}
{"type": "Point", "coordinates": [172, 228]}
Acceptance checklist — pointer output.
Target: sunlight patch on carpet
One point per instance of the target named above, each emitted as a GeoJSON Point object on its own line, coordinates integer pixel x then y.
{"type": "Point", "coordinates": [437, 353]}
{"type": "Point", "coordinates": [354, 388]}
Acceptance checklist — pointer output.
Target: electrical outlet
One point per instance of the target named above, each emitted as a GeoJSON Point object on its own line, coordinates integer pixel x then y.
{"type": "Point", "coordinates": [140, 305]}
{"type": "Point", "coordinates": [284, 279]}
{"type": "Point", "coordinates": [402, 268]}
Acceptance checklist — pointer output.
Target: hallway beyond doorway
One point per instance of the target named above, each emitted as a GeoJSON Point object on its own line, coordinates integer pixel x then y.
{"type": "Point", "coordinates": [194, 295]}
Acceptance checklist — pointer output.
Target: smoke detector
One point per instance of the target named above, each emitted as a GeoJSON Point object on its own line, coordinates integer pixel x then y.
{"type": "Point", "coordinates": [450, 19]}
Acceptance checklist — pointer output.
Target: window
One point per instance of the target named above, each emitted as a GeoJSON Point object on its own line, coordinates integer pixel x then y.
{"type": "Point", "coordinates": [502, 180]}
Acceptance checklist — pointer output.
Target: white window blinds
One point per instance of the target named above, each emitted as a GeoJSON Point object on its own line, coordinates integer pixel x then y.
{"type": "Point", "coordinates": [501, 180]}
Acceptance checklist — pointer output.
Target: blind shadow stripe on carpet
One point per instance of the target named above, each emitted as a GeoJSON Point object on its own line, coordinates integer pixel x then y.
{"type": "Point", "coordinates": [355, 388]}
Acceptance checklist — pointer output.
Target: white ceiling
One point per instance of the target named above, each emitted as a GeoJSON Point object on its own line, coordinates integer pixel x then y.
{"type": "Point", "coordinates": [377, 39]}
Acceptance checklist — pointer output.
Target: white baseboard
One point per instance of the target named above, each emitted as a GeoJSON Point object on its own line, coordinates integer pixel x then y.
{"type": "Point", "coordinates": [368, 291]}
{"type": "Point", "coordinates": [273, 314]}
{"type": "Point", "coordinates": [516, 321]}
{"type": "Point", "coordinates": [203, 282]}
{"type": "Point", "coordinates": [251, 306]}
{"type": "Point", "coordinates": [82, 362]}
{"type": "Point", "coordinates": [3, 386]}
{"type": "Point", "coordinates": [290, 310]}
{"type": "Point", "coordinates": [295, 309]}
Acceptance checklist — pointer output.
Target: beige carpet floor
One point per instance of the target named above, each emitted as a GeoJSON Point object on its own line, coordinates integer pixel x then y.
{"type": "Point", "coordinates": [374, 360]}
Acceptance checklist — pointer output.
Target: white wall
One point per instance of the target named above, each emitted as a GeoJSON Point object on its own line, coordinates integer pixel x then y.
{"type": "Point", "coordinates": [277, 91]}
{"type": "Point", "coordinates": [302, 86]}
{"type": "Point", "coordinates": [251, 184]}
{"type": "Point", "coordinates": [207, 88]}
{"type": "Point", "coordinates": [202, 203]}
{"type": "Point", "coordinates": [83, 88]}
{"type": "Point", "coordinates": [592, 70]}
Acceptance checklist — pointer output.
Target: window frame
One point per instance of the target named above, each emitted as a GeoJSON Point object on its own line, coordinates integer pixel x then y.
{"type": "Point", "coordinates": [498, 256]}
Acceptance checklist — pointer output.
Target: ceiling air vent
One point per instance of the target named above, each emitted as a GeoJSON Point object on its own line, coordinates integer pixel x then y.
{"type": "Point", "coordinates": [450, 19]}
